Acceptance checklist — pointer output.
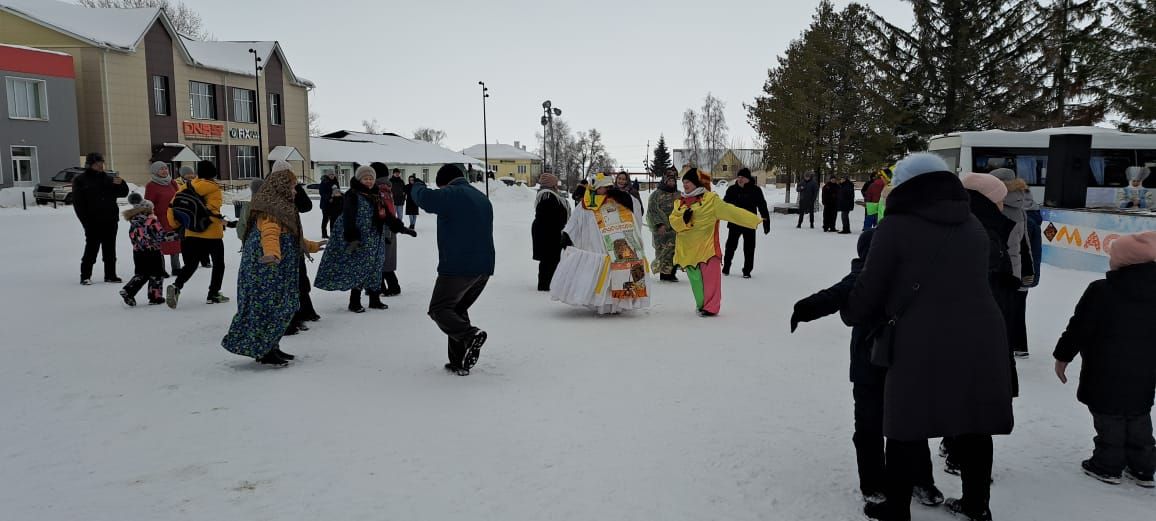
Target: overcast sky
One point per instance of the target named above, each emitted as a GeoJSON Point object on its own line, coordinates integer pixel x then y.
{"type": "Point", "coordinates": [628, 68]}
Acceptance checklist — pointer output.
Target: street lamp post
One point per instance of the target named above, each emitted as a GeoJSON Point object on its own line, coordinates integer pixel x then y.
{"type": "Point", "coordinates": [485, 135]}
{"type": "Point", "coordinates": [548, 113]}
{"type": "Point", "coordinates": [261, 157]}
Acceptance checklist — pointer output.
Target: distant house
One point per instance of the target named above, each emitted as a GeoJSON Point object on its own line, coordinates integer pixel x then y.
{"type": "Point", "coordinates": [512, 161]}
{"type": "Point", "coordinates": [724, 164]}
{"type": "Point", "coordinates": [38, 130]}
{"type": "Point", "coordinates": [343, 151]}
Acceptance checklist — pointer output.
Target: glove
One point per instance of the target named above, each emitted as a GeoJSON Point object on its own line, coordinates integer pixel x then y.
{"type": "Point", "coordinates": [688, 216]}
{"type": "Point", "coordinates": [353, 246]}
{"type": "Point", "coordinates": [408, 231]}
{"type": "Point", "coordinates": [269, 259]}
{"type": "Point", "coordinates": [230, 224]}
{"type": "Point", "coordinates": [766, 227]}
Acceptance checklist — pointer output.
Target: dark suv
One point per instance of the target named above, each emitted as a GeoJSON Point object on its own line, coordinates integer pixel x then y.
{"type": "Point", "coordinates": [59, 188]}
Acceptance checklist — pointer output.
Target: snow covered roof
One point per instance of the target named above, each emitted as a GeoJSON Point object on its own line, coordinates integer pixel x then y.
{"type": "Point", "coordinates": [34, 49]}
{"type": "Point", "coordinates": [499, 151]}
{"type": "Point", "coordinates": [234, 57]}
{"type": "Point", "coordinates": [120, 29]}
{"type": "Point", "coordinates": [391, 149]}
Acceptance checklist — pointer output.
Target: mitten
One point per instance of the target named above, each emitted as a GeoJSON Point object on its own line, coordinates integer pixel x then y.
{"type": "Point", "coordinates": [409, 231]}
{"type": "Point", "coordinates": [766, 227]}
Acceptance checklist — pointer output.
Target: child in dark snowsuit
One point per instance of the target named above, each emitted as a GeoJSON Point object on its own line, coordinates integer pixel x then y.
{"type": "Point", "coordinates": [147, 235]}
{"type": "Point", "coordinates": [867, 389]}
{"type": "Point", "coordinates": [1112, 329]}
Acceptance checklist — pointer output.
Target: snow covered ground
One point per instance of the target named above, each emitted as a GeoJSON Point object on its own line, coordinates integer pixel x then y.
{"type": "Point", "coordinates": [131, 414]}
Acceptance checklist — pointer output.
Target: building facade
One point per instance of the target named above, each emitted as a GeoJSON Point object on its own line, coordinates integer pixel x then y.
{"type": "Point", "coordinates": [146, 93]}
{"type": "Point", "coordinates": [341, 152]}
{"type": "Point", "coordinates": [38, 130]}
{"type": "Point", "coordinates": [510, 161]}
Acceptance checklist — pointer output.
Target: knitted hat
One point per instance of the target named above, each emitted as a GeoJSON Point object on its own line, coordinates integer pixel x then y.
{"type": "Point", "coordinates": [916, 165]}
{"type": "Point", "coordinates": [1137, 173]}
{"type": "Point", "coordinates": [448, 173]}
{"type": "Point", "coordinates": [603, 181]}
{"type": "Point", "coordinates": [206, 169]}
{"type": "Point", "coordinates": [187, 170]}
{"type": "Point", "coordinates": [1004, 174]}
{"type": "Point", "coordinates": [381, 168]}
{"type": "Point", "coordinates": [281, 166]}
{"type": "Point", "coordinates": [986, 184]}
{"type": "Point", "coordinates": [745, 172]}
{"type": "Point", "coordinates": [548, 180]}
{"type": "Point", "coordinates": [139, 202]}
{"type": "Point", "coordinates": [156, 166]}
{"type": "Point", "coordinates": [364, 171]}
{"type": "Point", "coordinates": [1132, 249]}
{"type": "Point", "coordinates": [93, 158]}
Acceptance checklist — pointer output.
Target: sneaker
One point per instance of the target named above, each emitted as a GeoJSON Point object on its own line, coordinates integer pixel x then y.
{"type": "Point", "coordinates": [927, 495]}
{"type": "Point", "coordinates": [1020, 354]}
{"type": "Point", "coordinates": [474, 350]}
{"type": "Point", "coordinates": [216, 298]}
{"type": "Point", "coordinates": [704, 313]}
{"type": "Point", "coordinates": [746, 275]}
{"type": "Point", "coordinates": [128, 299]}
{"type": "Point", "coordinates": [457, 369]}
{"type": "Point", "coordinates": [951, 467]}
{"type": "Point", "coordinates": [85, 282]}
{"type": "Point", "coordinates": [1091, 470]}
{"type": "Point", "coordinates": [1143, 480]}
{"type": "Point", "coordinates": [113, 280]}
{"type": "Point", "coordinates": [172, 295]}
{"type": "Point", "coordinates": [955, 507]}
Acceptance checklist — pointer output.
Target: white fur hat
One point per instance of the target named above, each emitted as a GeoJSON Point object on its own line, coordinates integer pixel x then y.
{"type": "Point", "coordinates": [281, 166]}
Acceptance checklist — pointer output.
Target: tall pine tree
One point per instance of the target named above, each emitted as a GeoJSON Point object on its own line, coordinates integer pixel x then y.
{"type": "Point", "coordinates": [1133, 66]}
{"type": "Point", "coordinates": [661, 160]}
{"type": "Point", "coordinates": [1073, 49]}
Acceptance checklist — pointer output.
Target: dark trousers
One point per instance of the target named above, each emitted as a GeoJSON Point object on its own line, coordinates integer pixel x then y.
{"type": "Point", "coordinates": [748, 236]}
{"type": "Point", "coordinates": [1124, 441]}
{"type": "Point", "coordinates": [869, 446]}
{"type": "Point", "coordinates": [974, 454]}
{"type": "Point", "coordinates": [546, 270]}
{"type": "Point", "coordinates": [197, 250]}
{"type": "Point", "coordinates": [305, 309]}
{"type": "Point", "coordinates": [829, 215]}
{"type": "Point", "coordinates": [449, 307]}
{"type": "Point", "coordinates": [845, 216]}
{"type": "Point", "coordinates": [804, 213]}
{"type": "Point", "coordinates": [326, 222]}
{"type": "Point", "coordinates": [1017, 323]}
{"type": "Point", "coordinates": [99, 238]}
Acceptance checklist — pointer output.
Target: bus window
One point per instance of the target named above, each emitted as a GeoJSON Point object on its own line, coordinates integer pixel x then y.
{"type": "Point", "coordinates": [950, 156]}
{"type": "Point", "coordinates": [1029, 164]}
{"type": "Point", "coordinates": [1148, 158]}
{"type": "Point", "coordinates": [1108, 167]}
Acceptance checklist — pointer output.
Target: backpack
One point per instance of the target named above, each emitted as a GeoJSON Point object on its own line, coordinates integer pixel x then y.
{"type": "Point", "coordinates": [190, 210]}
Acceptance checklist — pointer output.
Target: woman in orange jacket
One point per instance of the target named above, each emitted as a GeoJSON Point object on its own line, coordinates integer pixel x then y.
{"type": "Point", "coordinates": [267, 292]}
{"type": "Point", "coordinates": [695, 219]}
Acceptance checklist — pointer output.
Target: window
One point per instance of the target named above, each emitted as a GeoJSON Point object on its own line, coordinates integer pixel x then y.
{"type": "Point", "coordinates": [425, 175]}
{"type": "Point", "coordinates": [248, 164]}
{"type": "Point", "coordinates": [521, 169]}
{"type": "Point", "coordinates": [27, 99]}
{"type": "Point", "coordinates": [243, 101]}
{"type": "Point", "coordinates": [724, 168]}
{"type": "Point", "coordinates": [206, 153]}
{"type": "Point", "coordinates": [202, 100]}
{"type": "Point", "coordinates": [275, 109]}
{"type": "Point", "coordinates": [24, 165]}
{"type": "Point", "coordinates": [160, 95]}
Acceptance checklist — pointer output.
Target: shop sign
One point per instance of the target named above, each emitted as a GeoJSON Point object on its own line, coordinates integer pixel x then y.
{"type": "Point", "coordinates": [243, 133]}
{"type": "Point", "coordinates": [203, 131]}
{"type": "Point", "coordinates": [1080, 238]}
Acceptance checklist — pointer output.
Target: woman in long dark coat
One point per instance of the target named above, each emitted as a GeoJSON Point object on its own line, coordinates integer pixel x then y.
{"type": "Point", "coordinates": [356, 252]}
{"type": "Point", "coordinates": [948, 372]}
{"type": "Point", "coordinates": [551, 211]}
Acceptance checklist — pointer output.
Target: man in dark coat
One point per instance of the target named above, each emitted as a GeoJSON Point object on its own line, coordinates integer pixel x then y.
{"type": "Point", "coordinates": [1112, 330]}
{"type": "Point", "coordinates": [846, 203]}
{"type": "Point", "coordinates": [948, 372]}
{"type": "Point", "coordinates": [830, 198]}
{"type": "Point", "coordinates": [867, 390]}
{"type": "Point", "coordinates": [465, 260]}
{"type": "Point", "coordinates": [94, 195]}
{"type": "Point", "coordinates": [808, 194]}
{"type": "Point", "coordinates": [397, 187]}
{"type": "Point", "coordinates": [325, 191]}
{"type": "Point", "coordinates": [551, 211]}
{"type": "Point", "coordinates": [745, 194]}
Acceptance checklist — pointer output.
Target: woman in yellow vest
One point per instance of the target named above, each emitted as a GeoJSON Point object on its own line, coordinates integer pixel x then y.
{"type": "Point", "coordinates": [695, 219]}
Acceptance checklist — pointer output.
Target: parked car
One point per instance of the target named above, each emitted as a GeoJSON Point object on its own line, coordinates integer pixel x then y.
{"type": "Point", "coordinates": [59, 188]}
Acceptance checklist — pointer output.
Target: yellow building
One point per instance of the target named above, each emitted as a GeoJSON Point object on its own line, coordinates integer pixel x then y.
{"type": "Point", "coordinates": [509, 161]}
{"type": "Point", "coordinates": [145, 92]}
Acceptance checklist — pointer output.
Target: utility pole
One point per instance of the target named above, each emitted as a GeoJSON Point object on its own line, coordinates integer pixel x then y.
{"type": "Point", "coordinates": [485, 136]}
{"type": "Point", "coordinates": [261, 156]}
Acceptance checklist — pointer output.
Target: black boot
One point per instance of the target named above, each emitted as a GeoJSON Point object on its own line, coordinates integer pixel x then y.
{"type": "Point", "coordinates": [272, 358]}
{"type": "Point", "coordinates": [390, 286]}
{"type": "Point", "coordinates": [355, 301]}
{"type": "Point", "coordinates": [277, 351]}
{"type": "Point", "coordinates": [375, 301]}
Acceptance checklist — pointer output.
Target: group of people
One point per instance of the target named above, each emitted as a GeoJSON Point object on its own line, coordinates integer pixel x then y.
{"type": "Point", "coordinates": [920, 371]}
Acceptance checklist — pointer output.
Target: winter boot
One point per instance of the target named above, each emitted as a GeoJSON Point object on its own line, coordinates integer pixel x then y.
{"type": "Point", "coordinates": [355, 301]}
{"type": "Point", "coordinates": [292, 329]}
{"type": "Point", "coordinates": [172, 296]}
{"type": "Point", "coordinates": [216, 298]}
{"type": "Point", "coordinates": [473, 350]}
{"type": "Point", "coordinates": [375, 301]}
{"type": "Point", "coordinates": [955, 506]}
{"type": "Point", "coordinates": [273, 359]}
{"type": "Point", "coordinates": [927, 495]}
{"type": "Point", "coordinates": [390, 286]}
{"type": "Point", "coordinates": [1092, 470]}
{"type": "Point", "coordinates": [129, 300]}
{"type": "Point", "coordinates": [885, 511]}
{"type": "Point", "coordinates": [277, 351]}
{"type": "Point", "coordinates": [1143, 480]}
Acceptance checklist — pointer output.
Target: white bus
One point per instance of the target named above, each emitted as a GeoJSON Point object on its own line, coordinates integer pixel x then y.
{"type": "Point", "coordinates": [1027, 153]}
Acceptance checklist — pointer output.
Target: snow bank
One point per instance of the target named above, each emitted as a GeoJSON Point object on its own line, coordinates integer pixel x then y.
{"type": "Point", "coordinates": [13, 197]}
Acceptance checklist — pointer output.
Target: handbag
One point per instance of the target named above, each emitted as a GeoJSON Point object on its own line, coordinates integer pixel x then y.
{"type": "Point", "coordinates": [883, 336]}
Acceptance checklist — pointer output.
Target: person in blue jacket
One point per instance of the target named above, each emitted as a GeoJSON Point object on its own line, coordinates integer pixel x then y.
{"type": "Point", "coordinates": [465, 221]}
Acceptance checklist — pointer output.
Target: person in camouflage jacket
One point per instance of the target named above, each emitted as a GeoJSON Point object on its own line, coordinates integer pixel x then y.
{"type": "Point", "coordinates": [658, 209]}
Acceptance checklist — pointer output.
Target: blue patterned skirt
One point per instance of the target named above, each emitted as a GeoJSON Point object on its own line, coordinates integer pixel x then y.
{"type": "Point", "coordinates": [342, 270]}
{"type": "Point", "coordinates": [267, 297]}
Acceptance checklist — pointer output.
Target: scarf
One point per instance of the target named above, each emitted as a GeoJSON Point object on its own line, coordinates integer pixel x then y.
{"type": "Point", "coordinates": [163, 181]}
{"type": "Point", "coordinates": [694, 193]}
{"type": "Point", "coordinates": [275, 201]}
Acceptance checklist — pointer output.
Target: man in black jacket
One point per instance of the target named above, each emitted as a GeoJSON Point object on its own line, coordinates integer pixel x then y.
{"type": "Point", "coordinates": [325, 190]}
{"type": "Point", "coordinates": [830, 198]}
{"type": "Point", "coordinates": [744, 194]}
{"type": "Point", "coordinates": [397, 188]}
{"type": "Point", "coordinates": [846, 202]}
{"type": "Point", "coordinates": [94, 195]}
{"type": "Point", "coordinates": [808, 194]}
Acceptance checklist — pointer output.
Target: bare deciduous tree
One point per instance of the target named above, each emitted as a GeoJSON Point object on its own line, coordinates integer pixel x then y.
{"type": "Point", "coordinates": [429, 135]}
{"type": "Point", "coordinates": [314, 124]}
{"type": "Point", "coordinates": [185, 20]}
{"type": "Point", "coordinates": [713, 129]}
{"type": "Point", "coordinates": [371, 126]}
{"type": "Point", "coordinates": [692, 140]}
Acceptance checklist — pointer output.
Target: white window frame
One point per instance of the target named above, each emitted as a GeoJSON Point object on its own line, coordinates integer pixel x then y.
{"type": "Point", "coordinates": [161, 96]}
{"type": "Point", "coordinates": [41, 89]}
{"type": "Point", "coordinates": [33, 163]}
{"type": "Point", "coordinates": [214, 158]}
{"type": "Point", "coordinates": [275, 113]}
{"type": "Point", "coordinates": [244, 106]}
{"type": "Point", "coordinates": [247, 170]}
{"type": "Point", "coordinates": [209, 100]}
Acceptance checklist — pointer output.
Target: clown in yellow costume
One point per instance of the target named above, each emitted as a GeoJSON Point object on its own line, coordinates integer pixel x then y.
{"type": "Point", "coordinates": [604, 266]}
{"type": "Point", "coordinates": [695, 218]}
